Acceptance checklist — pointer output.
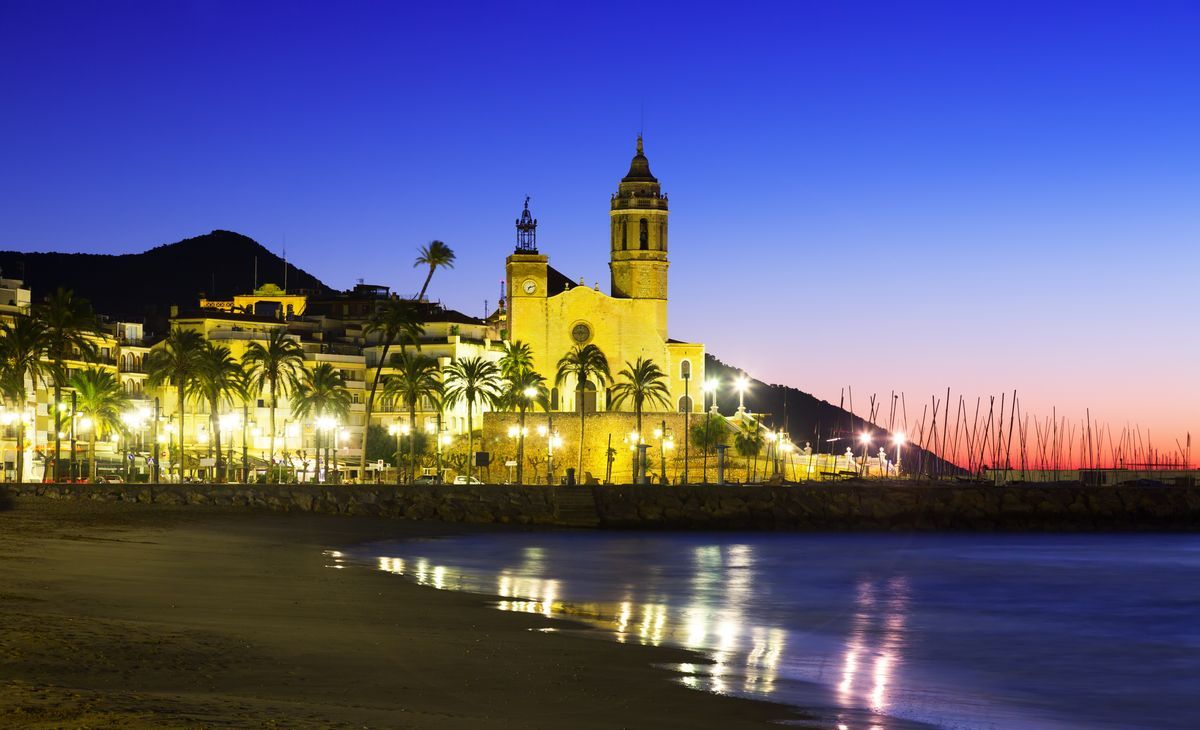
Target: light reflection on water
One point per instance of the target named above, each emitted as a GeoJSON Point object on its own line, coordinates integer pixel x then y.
{"type": "Point", "coordinates": [745, 656]}
{"type": "Point", "coordinates": [872, 632]}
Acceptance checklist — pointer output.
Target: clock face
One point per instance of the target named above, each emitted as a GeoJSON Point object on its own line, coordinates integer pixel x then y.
{"type": "Point", "coordinates": [581, 333]}
{"type": "Point", "coordinates": [529, 286]}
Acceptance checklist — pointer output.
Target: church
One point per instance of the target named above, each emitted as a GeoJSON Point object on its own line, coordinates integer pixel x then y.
{"type": "Point", "coordinates": [552, 314]}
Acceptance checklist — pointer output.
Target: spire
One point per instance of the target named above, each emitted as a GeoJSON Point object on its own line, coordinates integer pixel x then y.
{"type": "Point", "coordinates": [639, 167]}
{"type": "Point", "coordinates": [526, 231]}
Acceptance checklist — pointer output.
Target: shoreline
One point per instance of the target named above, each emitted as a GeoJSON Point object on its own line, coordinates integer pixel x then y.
{"type": "Point", "coordinates": [132, 615]}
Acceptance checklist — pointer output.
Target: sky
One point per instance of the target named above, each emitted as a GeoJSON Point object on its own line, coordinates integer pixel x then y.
{"type": "Point", "coordinates": [885, 197]}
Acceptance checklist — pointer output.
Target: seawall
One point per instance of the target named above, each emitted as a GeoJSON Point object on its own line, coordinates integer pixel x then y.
{"type": "Point", "coordinates": [820, 506]}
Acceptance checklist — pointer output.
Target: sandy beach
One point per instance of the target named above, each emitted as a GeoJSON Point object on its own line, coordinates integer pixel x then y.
{"type": "Point", "coordinates": [132, 616]}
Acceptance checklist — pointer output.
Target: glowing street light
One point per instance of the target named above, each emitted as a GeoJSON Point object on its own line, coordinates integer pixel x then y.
{"type": "Point", "coordinates": [899, 439]}
{"type": "Point", "coordinates": [741, 385]}
{"type": "Point", "coordinates": [864, 438]}
{"type": "Point", "coordinates": [710, 386]}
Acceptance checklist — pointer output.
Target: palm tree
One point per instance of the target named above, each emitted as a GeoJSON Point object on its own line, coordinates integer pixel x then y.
{"type": "Point", "coordinates": [436, 255]}
{"type": "Point", "coordinates": [219, 379]}
{"type": "Point", "coordinates": [522, 389]}
{"type": "Point", "coordinates": [643, 382]}
{"type": "Point", "coordinates": [707, 435]}
{"type": "Point", "coordinates": [583, 363]}
{"type": "Point", "coordinates": [417, 378]}
{"type": "Point", "coordinates": [12, 390]}
{"type": "Point", "coordinates": [100, 397]}
{"type": "Point", "coordinates": [748, 442]}
{"type": "Point", "coordinates": [322, 394]}
{"type": "Point", "coordinates": [397, 322]}
{"type": "Point", "coordinates": [67, 321]}
{"type": "Point", "coordinates": [22, 345]}
{"type": "Point", "coordinates": [473, 380]}
{"type": "Point", "coordinates": [175, 363]}
{"type": "Point", "coordinates": [517, 358]}
{"type": "Point", "coordinates": [275, 368]}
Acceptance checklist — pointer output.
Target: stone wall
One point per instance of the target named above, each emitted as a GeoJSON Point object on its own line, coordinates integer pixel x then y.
{"type": "Point", "coordinates": [900, 506]}
{"type": "Point", "coordinates": [822, 506]}
{"type": "Point", "coordinates": [598, 427]}
{"type": "Point", "coordinates": [449, 503]}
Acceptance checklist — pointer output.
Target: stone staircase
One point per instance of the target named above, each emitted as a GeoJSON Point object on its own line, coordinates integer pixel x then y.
{"type": "Point", "coordinates": [576, 507]}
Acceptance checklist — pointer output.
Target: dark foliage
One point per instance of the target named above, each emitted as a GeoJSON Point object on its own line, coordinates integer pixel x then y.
{"type": "Point", "coordinates": [143, 286]}
{"type": "Point", "coordinates": [809, 419]}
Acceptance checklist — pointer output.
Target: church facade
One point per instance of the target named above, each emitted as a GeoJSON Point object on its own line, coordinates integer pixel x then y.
{"type": "Point", "coordinates": [552, 314]}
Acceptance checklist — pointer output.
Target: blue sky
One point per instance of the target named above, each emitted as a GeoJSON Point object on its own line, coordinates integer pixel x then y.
{"type": "Point", "coordinates": [1020, 180]}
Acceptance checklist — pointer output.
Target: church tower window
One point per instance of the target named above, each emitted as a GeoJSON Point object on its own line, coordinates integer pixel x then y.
{"type": "Point", "coordinates": [644, 235]}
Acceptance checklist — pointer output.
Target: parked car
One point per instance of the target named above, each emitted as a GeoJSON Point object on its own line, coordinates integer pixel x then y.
{"type": "Point", "coordinates": [426, 479]}
{"type": "Point", "coordinates": [110, 479]}
{"type": "Point", "coordinates": [464, 479]}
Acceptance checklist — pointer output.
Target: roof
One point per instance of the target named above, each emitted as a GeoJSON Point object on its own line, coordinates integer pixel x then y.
{"type": "Point", "coordinates": [639, 167]}
{"type": "Point", "coordinates": [557, 282]}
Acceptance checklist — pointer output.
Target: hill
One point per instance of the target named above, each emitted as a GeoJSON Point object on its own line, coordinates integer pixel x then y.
{"type": "Point", "coordinates": [827, 427]}
{"type": "Point", "coordinates": [143, 286]}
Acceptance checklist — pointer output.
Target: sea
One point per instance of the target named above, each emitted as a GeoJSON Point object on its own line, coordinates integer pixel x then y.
{"type": "Point", "coordinates": [870, 631]}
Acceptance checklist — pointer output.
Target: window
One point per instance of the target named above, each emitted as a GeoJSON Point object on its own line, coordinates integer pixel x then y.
{"type": "Point", "coordinates": [644, 236]}
{"type": "Point", "coordinates": [685, 369]}
{"type": "Point", "coordinates": [685, 404]}
{"type": "Point", "coordinates": [554, 399]}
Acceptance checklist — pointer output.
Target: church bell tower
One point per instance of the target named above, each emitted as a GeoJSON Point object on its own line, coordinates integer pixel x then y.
{"type": "Point", "coordinates": [639, 235]}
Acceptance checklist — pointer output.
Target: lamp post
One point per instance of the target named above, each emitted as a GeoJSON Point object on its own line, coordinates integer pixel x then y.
{"type": "Point", "coordinates": [687, 412]}
{"type": "Point", "coordinates": [552, 441]}
{"type": "Point", "coordinates": [328, 425]}
{"type": "Point", "coordinates": [708, 386]}
{"type": "Point", "coordinates": [663, 437]}
{"type": "Point", "coordinates": [398, 430]}
{"type": "Point", "coordinates": [530, 394]}
{"type": "Point", "coordinates": [741, 385]}
{"type": "Point", "coordinates": [865, 439]}
{"type": "Point", "coordinates": [898, 439]}
{"type": "Point", "coordinates": [633, 438]}
{"type": "Point", "coordinates": [73, 413]}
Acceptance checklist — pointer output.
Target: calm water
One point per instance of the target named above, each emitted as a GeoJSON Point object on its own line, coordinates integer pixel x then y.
{"type": "Point", "coordinates": [874, 631]}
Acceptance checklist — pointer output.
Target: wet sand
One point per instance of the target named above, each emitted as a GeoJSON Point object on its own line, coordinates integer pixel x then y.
{"type": "Point", "coordinates": [139, 616]}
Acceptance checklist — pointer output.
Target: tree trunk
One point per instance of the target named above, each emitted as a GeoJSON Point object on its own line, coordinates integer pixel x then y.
{"type": "Point", "coordinates": [362, 459]}
{"type": "Point", "coordinates": [57, 428]}
{"type": "Point", "coordinates": [92, 454]}
{"type": "Point", "coordinates": [182, 405]}
{"type": "Point", "coordinates": [521, 449]}
{"type": "Point", "coordinates": [272, 475]}
{"type": "Point", "coordinates": [579, 405]}
{"type": "Point", "coordinates": [20, 463]}
{"type": "Point", "coordinates": [426, 284]}
{"type": "Point", "coordinates": [412, 443]}
{"type": "Point", "coordinates": [470, 443]}
{"type": "Point", "coordinates": [215, 427]}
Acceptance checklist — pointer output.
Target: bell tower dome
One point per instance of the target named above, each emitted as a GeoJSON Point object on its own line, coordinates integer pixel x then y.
{"type": "Point", "coordinates": [638, 218]}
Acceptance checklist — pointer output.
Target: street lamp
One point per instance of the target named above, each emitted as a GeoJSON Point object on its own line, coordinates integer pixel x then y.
{"type": "Point", "coordinates": [741, 385]}
{"type": "Point", "coordinates": [898, 439]}
{"type": "Point", "coordinates": [326, 424]}
{"type": "Point", "coordinates": [398, 430]}
{"type": "Point", "coordinates": [865, 439]}
{"type": "Point", "coordinates": [710, 386]}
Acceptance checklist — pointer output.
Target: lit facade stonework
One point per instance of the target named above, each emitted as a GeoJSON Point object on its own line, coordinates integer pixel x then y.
{"type": "Point", "coordinates": [552, 314]}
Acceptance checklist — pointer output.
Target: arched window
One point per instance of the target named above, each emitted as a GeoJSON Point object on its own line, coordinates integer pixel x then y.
{"type": "Point", "coordinates": [585, 398]}
{"type": "Point", "coordinates": [644, 235]}
{"type": "Point", "coordinates": [554, 399]}
{"type": "Point", "coordinates": [685, 369]}
{"type": "Point", "coordinates": [624, 235]}
{"type": "Point", "coordinates": [685, 404]}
